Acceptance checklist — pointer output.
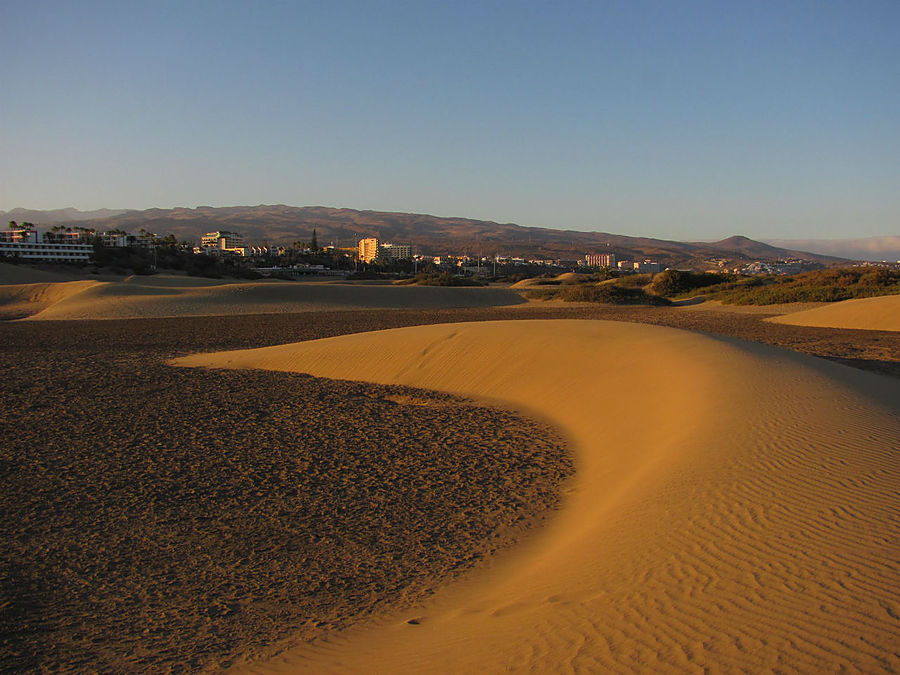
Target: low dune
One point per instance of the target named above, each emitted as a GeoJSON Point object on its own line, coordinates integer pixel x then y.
{"type": "Point", "coordinates": [735, 506]}
{"type": "Point", "coordinates": [23, 300]}
{"type": "Point", "coordinates": [881, 313]}
{"type": "Point", "coordinates": [173, 296]}
{"type": "Point", "coordinates": [564, 278]}
{"type": "Point", "coordinates": [27, 274]}
{"type": "Point", "coordinates": [699, 302]}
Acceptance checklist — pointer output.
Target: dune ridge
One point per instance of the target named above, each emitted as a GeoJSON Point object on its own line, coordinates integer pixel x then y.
{"type": "Point", "coordinates": [878, 313]}
{"type": "Point", "coordinates": [22, 300]}
{"type": "Point", "coordinates": [734, 506]}
{"type": "Point", "coordinates": [172, 296]}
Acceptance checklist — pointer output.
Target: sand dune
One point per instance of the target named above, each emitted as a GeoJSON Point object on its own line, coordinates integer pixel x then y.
{"type": "Point", "coordinates": [564, 278]}
{"type": "Point", "coordinates": [170, 296]}
{"type": "Point", "coordinates": [22, 300]}
{"type": "Point", "coordinates": [735, 505]}
{"type": "Point", "coordinates": [698, 302]}
{"type": "Point", "coordinates": [26, 274]}
{"type": "Point", "coordinates": [881, 313]}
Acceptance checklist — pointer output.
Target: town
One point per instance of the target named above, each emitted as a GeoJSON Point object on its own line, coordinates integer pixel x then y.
{"type": "Point", "coordinates": [226, 252]}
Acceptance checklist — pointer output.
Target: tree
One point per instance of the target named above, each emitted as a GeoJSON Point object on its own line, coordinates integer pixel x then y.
{"type": "Point", "coordinates": [13, 225]}
{"type": "Point", "coordinates": [314, 243]}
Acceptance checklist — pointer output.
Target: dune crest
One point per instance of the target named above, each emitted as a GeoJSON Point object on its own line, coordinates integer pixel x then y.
{"type": "Point", "coordinates": [172, 296]}
{"type": "Point", "coordinates": [879, 313]}
{"type": "Point", "coordinates": [734, 506]}
{"type": "Point", "coordinates": [22, 300]}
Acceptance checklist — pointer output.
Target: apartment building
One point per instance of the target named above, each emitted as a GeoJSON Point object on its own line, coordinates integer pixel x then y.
{"type": "Point", "coordinates": [368, 250]}
{"type": "Point", "coordinates": [600, 260]}
{"type": "Point", "coordinates": [222, 240]}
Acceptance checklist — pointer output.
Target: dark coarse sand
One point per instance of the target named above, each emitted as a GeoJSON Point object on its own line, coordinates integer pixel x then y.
{"type": "Point", "coordinates": [156, 518]}
{"type": "Point", "coordinates": [159, 518]}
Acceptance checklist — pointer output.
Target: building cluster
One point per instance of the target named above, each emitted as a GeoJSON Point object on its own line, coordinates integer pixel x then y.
{"type": "Point", "coordinates": [600, 260]}
{"type": "Point", "coordinates": [65, 244]}
{"type": "Point", "coordinates": [781, 267]}
{"type": "Point", "coordinates": [609, 260]}
{"type": "Point", "coordinates": [370, 250]}
{"type": "Point", "coordinates": [31, 245]}
{"type": "Point", "coordinates": [222, 241]}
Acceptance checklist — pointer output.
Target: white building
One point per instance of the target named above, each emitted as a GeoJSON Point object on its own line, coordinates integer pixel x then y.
{"type": "Point", "coordinates": [30, 245]}
{"type": "Point", "coordinates": [19, 234]}
{"type": "Point", "coordinates": [371, 250]}
{"type": "Point", "coordinates": [221, 240]}
{"type": "Point", "coordinates": [647, 266]}
{"type": "Point", "coordinates": [390, 251]}
{"type": "Point", "coordinates": [600, 259]}
{"type": "Point", "coordinates": [368, 250]}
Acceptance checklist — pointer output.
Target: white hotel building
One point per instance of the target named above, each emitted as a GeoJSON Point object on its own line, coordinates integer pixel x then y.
{"type": "Point", "coordinates": [30, 246]}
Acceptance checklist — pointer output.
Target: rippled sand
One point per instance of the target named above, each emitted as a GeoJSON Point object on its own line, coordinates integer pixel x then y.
{"type": "Point", "coordinates": [735, 506]}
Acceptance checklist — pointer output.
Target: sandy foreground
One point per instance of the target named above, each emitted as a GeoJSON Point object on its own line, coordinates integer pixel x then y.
{"type": "Point", "coordinates": [735, 506]}
{"type": "Point", "coordinates": [172, 296]}
{"type": "Point", "coordinates": [160, 519]}
{"type": "Point", "coordinates": [880, 313]}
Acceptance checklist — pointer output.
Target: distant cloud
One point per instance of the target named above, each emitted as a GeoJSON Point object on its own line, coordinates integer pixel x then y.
{"type": "Point", "coordinates": [871, 248]}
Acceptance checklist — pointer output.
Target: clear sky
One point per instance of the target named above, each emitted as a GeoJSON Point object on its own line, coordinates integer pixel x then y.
{"type": "Point", "coordinates": [677, 119]}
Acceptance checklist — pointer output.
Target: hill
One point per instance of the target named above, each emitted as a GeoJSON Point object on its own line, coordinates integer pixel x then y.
{"type": "Point", "coordinates": [55, 216]}
{"type": "Point", "coordinates": [433, 235]}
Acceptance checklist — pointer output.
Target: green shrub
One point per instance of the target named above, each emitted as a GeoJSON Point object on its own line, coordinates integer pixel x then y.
{"type": "Point", "coordinates": [634, 280]}
{"type": "Point", "coordinates": [819, 286]}
{"type": "Point", "coordinates": [676, 282]}
{"type": "Point", "coordinates": [611, 294]}
{"type": "Point", "coordinates": [440, 279]}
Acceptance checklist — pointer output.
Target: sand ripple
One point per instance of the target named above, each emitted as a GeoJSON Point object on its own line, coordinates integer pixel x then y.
{"type": "Point", "coordinates": [736, 506]}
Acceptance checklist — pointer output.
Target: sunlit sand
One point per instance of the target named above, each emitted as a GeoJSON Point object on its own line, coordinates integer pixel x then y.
{"type": "Point", "coordinates": [735, 506]}
{"type": "Point", "coordinates": [172, 296]}
{"type": "Point", "coordinates": [880, 313]}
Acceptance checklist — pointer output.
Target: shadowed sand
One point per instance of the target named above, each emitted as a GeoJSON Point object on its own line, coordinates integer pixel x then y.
{"type": "Point", "coordinates": [881, 313]}
{"type": "Point", "coordinates": [172, 296]}
{"type": "Point", "coordinates": [735, 506]}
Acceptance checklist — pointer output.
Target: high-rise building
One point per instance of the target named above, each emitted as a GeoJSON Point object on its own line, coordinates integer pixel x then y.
{"type": "Point", "coordinates": [368, 250]}
{"type": "Point", "coordinates": [223, 241]}
{"type": "Point", "coordinates": [600, 259]}
{"type": "Point", "coordinates": [388, 251]}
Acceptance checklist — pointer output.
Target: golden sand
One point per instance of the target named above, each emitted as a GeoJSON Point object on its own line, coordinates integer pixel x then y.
{"type": "Point", "coordinates": [174, 296]}
{"type": "Point", "coordinates": [880, 313]}
{"type": "Point", "coordinates": [735, 506]}
{"type": "Point", "coordinates": [21, 300]}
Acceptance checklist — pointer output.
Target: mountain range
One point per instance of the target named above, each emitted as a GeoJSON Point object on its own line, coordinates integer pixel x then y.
{"type": "Point", "coordinates": [431, 235]}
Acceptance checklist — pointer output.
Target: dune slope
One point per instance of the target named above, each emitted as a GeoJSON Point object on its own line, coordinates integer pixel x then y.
{"type": "Point", "coordinates": [735, 506]}
{"type": "Point", "coordinates": [879, 313]}
{"type": "Point", "coordinates": [164, 296]}
{"type": "Point", "coordinates": [22, 300]}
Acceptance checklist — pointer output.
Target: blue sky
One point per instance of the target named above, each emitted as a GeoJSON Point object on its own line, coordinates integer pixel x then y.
{"type": "Point", "coordinates": [684, 120]}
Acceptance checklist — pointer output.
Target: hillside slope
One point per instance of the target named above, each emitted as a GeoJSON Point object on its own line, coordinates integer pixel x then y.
{"type": "Point", "coordinates": [281, 224]}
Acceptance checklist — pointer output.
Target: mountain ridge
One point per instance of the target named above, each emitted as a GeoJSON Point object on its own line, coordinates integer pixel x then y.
{"type": "Point", "coordinates": [276, 224]}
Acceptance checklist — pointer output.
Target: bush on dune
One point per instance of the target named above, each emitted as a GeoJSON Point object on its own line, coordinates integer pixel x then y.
{"type": "Point", "coordinates": [829, 285]}
{"type": "Point", "coordinates": [610, 294]}
{"type": "Point", "coordinates": [437, 279]}
{"type": "Point", "coordinates": [676, 282]}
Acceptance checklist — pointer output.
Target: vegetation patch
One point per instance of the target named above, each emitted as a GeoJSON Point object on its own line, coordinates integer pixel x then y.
{"type": "Point", "coordinates": [677, 282]}
{"type": "Point", "coordinates": [828, 285]}
{"type": "Point", "coordinates": [611, 294]}
{"type": "Point", "coordinates": [439, 279]}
